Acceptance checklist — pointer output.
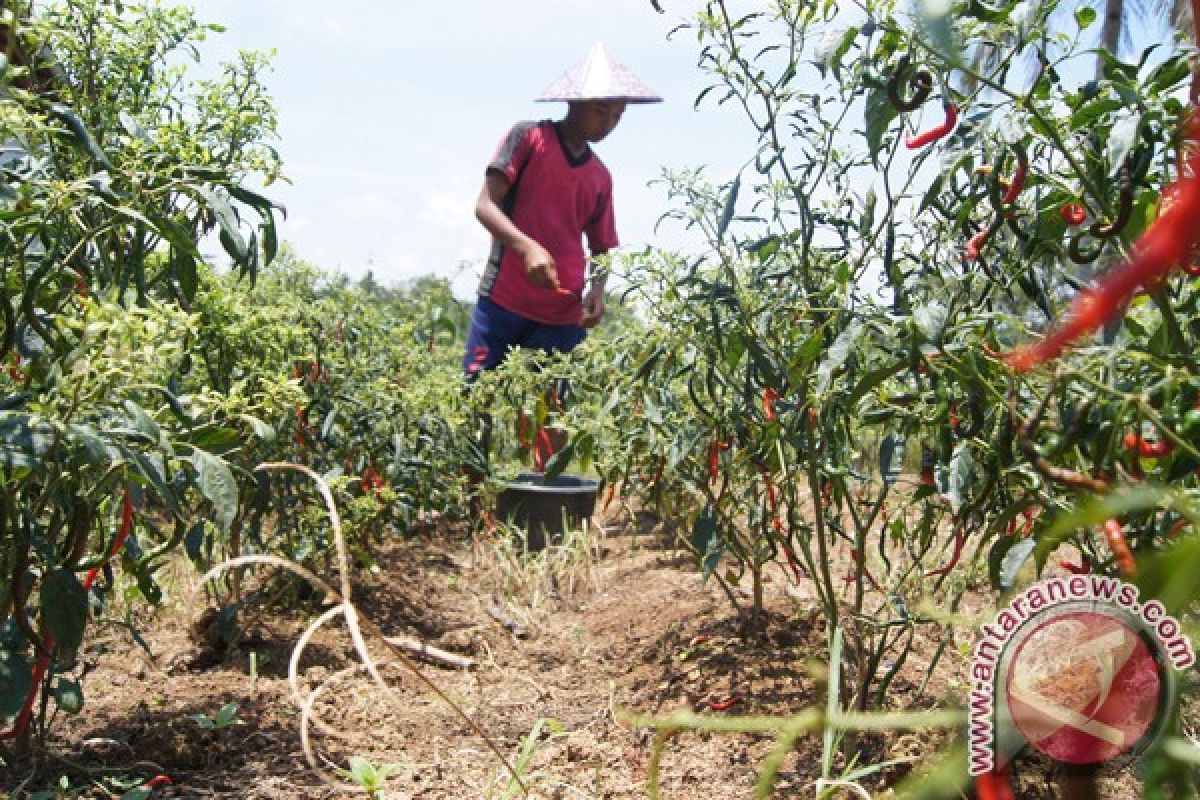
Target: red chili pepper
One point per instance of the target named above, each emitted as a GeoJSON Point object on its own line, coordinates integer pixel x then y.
{"type": "Point", "coordinates": [927, 477]}
{"type": "Point", "coordinates": [1073, 213]}
{"type": "Point", "coordinates": [1158, 449]}
{"type": "Point", "coordinates": [769, 398]}
{"type": "Point", "coordinates": [1082, 568]}
{"type": "Point", "coordinates": [826, 494]}
{"type": "Point", "coordinates": [543, 449]}
{"type": "Point", "coordinates": [118, 542]}
{"type": "Point", "coordinates": [488, 525]}
{"type": "Point", "coordinates": [960, 540]}
{"type": "Point", "coordinates": [478, 359]}
{"type": "Point", "coordinates": [81, 287]}
{"type": "Point", "coordinates": [1115, 536]}
{"type": "Point", "coordinates": [1030, 515]}
{"type": "Point", "coordinates": [714, 457]}
{"type": "Point", "coordinates": [724, 705]}
{"type": "Point", "coordinates": [1192, 270]}
{"type": "Point", "coordinates": [40, 665]}
{"type": "Point", "coordinates": [953, 417]}
{"type": "Point", "coordinates": [159, 780]}
{"type": "Point", "coordinates": [296, 371]}
{"type": "Point", "coordinates": [522, 428]}
{"type": "Point", "coordinates": [933, 134]}
{"type": "Point", "coordinates": [813, 417]}
{"type": "Point", "coordinates": [1145, 449]}
{"type": "Point", "coordinates": [1018, 181]}
{"type": "Point", "coordinates": [976, 242]}
{"type": "Point", "coordinates": [793, 564]}
{"type": "Point", "coordinates": [612, 488]}
{"type": "Point", "coordinates": [1177, 528]}
{"type": "Point", "coordinates": [994, 785]}
{"type": "Point", "coordinates": [1166, 244]}
{"type": "Point", "coordinates": [772, 496]}
{"type": "Point", "coordinates": [15, 372]}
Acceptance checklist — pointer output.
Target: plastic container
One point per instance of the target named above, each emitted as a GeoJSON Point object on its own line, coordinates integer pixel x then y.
{"type": "Point", "coordinates": [540, 507]}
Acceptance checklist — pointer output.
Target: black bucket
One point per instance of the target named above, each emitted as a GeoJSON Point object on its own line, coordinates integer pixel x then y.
{"type": "Point", "coordinates": [540, 507]}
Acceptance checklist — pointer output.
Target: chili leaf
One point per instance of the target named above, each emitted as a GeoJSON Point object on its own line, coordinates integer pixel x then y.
{"type": "Point", "coordinates": [730, 205]}
{"type": "Point", "coordinates": [561, 460]}
{"type": "Point", "coordinates": [962, 468]}
{"type": "Point", "coordinates": [15, 677]}
{"type": "Point", "coordinates": [64, 604]}
{"type": "Point", "coordinates": [1173, 576]}
{"type": "Point", "coordinates": [879, 116]}
{"type": "Point", "coordinates": [1121, 139]}
{"type": "Point", "coordinates": [1016, 556]}
{"type": "Point", "coordinates": [837, 354]}
{"type": "Point", "coordinates": [216, 482]}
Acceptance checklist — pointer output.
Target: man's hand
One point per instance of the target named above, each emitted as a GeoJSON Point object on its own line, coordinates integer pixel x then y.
{"type": "Point", "coordinates": [593, 307]}
{"type": "Point", "coordinates": [539, 265]}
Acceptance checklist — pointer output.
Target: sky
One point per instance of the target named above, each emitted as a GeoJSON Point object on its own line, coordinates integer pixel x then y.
{"type": "Point", "coordinates": [389, 112]}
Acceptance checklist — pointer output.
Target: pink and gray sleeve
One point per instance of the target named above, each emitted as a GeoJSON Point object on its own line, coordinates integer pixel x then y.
{"type": "Point", "coordinates": [513, 151]}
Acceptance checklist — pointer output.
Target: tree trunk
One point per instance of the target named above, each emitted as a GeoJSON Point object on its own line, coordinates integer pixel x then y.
{"type": "Point", "coordinates": [1110, 34]}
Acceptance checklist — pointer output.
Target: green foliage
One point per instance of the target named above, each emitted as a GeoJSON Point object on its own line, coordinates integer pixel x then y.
{"type": "Point", "coordinates": [543, 730]}
{"type": "Point", "coordinates": [847, 310]}
{"type": "Point", "coordinates": [225, 717]}
{"type": "Point", "coordinates": [372, 779]}
{"type": "Point", "coordinates": [864, 303]}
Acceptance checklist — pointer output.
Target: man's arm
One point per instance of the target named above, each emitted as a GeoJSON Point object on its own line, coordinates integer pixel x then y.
{"type": "Point", "coordinates": [593, 301]}
{"type": "Point", "coordinates": [539, 264]}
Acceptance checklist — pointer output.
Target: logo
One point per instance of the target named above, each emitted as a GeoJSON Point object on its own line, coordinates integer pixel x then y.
{"type": "Point", "coordinates": [1076, 668]}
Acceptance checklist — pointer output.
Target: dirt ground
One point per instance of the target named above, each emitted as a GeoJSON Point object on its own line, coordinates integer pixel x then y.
{"type": "Point", "coordinates": [622, 621]}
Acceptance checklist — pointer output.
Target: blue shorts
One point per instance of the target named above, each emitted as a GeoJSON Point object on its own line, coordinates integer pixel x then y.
{"type": "Point", "coordinates": [494, 330]}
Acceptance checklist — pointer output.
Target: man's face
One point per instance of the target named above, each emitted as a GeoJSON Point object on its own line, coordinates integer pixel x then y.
{"type": "Point", "coordinates": [597, 118]}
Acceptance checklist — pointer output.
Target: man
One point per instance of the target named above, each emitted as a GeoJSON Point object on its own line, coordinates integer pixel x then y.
{"type": "Point", "coordinates": [544, 192]}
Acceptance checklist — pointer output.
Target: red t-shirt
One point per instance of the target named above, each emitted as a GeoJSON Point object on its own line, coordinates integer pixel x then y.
{"type": "Point", "coordinates": [556, 199]}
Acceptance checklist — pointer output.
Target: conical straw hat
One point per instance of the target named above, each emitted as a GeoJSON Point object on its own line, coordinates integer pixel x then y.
{"type": "Point", "coordinates": [599, 77]}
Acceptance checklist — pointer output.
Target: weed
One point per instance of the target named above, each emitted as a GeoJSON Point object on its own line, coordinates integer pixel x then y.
{"type": "Point", "coordinates": [559, 571]}
{"type": "Point", "coordinates": [225, 717]}
{"type": "Point", "coordinates": [368, 777]}
{"type": "Point", "coordinates": [524, 761]}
